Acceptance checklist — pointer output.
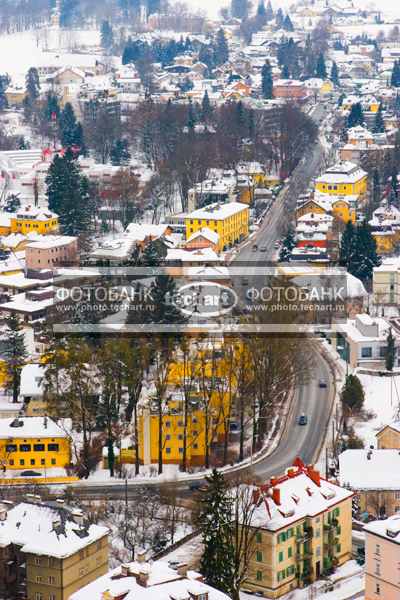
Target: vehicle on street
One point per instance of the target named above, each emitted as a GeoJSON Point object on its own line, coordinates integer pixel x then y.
{"type": "Point", "coordinates": [195, 485]}
{"type": "Point", "coordinates": [255, 247]}
{"type": "Point", "coordinates": [277, 244]}
{"type": "Point", "coordinates": [263, 249]}
{"type": "Point", "coordinates": [31, 474]}
{"type": "Point", "coordinates": [245, 281]}
{"type": "Point", "coordinates": [322, 383]}
{"type": "Point", "coordinates": [233, 425]}
{"type": "Point", "coordinates": [303, 419]}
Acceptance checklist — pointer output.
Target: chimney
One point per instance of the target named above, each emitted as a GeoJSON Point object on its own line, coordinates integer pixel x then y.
{"type": "Point", "coordinates": [290, 473]}
{"type": "Point", "coordinates": [3, 514]}
{"type": "Point", "coordinates": [315, 477]}
{"type": "Point", "coordinates": [125, 570]}
{"type": "Point", "coordinates": [60, 502]}
{"type": "Point", "coordinates": [56, 523]}
{"type": "Point", "coordinates": [276, 495]}
{"type": "Point", "coordinates": [256, 495]}
{"type": "Point", "coordinates": [274, 480]}
{"type": "Point", "coordinates": [30, 498]}
{"type": "Point", "coordinates": [143, 578]}
{"type": "Point", "coordinates": [182, 570]}
{"type": "Point", "coordinates": [15, 422]}
{"type": "Point", "coordinates": [369, 454]}
{"type": "Point", "coordinates": [142, 557]}
{"type": "Point", "coordinates": [38, 499]}
{"type": "Point", "coordinates": [78, 518]}
{"type": "Point", "coordinates": [45, 422]}
{"type": "Point", "coordinates": [310, 468]}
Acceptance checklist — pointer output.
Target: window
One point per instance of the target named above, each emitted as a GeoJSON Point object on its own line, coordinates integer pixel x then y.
{"type": "Point", "coordinates": [318, 532]}
{"type": "Point", "coordinates": [289, 533]}
{"type": "Point", "coordinates": [11, 461]}
{"type": "Point", "coordinates": [281, 537]}
{"type": "Point", "coordinates": [87, 569]}
{"type": "Point", "coordinates": [180, 423]}
{"type": "Point", "coordinates": [180, 450]}
{"type": "Point", "coordinates": [338, 548]}
{"type": "Point", "coordinates": [51, 562]}
{"type": "Point", "coordinates": [366, 352]}
{"type": "Point", "coordinates": [25, 448]}
{"type": "Point", "coordinates": [338, 530]}
{"type": "Point", "coordinates": [98, 545]}
{"type": "Point", "coordinates": [280, 557]}
{"type": "Point", "coordinates": [358, 496]}
{"type": "Point", "coordinates": [335, 513]}
{"type": "Point", "coordinates": [98, 561]}
{"type": "Point", "coordinates": [51, 580]}
{"type": "Point", "coordinates": [80, 572]}
{"type": "Point", "coordinates": [22, 462]}
{"type": "Point", "coordinates": [318, 551]}
{"type": "Point", "coordinates": [383, 496]}
{"type": "Point", "coordinates": [11, 447]}
{"type": "Point", "coordinates": [195, 446]}
{"type": "Point", "coordinates": [180, 437]}
{"type": "Point", "coordinates": [259, 575]}
{"type": "Point", "coordinates": [289, 552]}
{"type": "Point", "coordinates": [52, 597]}
{"type": "Point", "coordinates": [281, 575]}
{"type": "Point", "coordinates": [38, 447]}
{"type": "Point", "coordinates": [81, 555]}
{"type": "Point", "coordinates": [259, 557]}
{"type": "Point", "coordinates": [53, 447]}
{"type": "Point", "coordinates": [38, 596]}
{"type": "Point", "coordinates": [377, 588]}
{"type": "Point", "coordinates": [195, 433]}
{"type": "Point", "coordinates": [168, 437]}
{"type": "Point", "coordinates": [259, 537]}
{"type": "Point", "coordinates": [167, 450]}
{"type": "Point", "coordinates": [377, 568]}
{"type": "Point", "coordinates": [53, 461]}
{"type": "Point", "coordinates": [32, 462]}
{"type": "Point", "coordinates": [377, 549]}
{"type": "Point", "coordinates": [167, 423]}
{"type": "Point", "coordinates": [38, 578]}
{"type": "Point", "coordinates": [290, 570]}
{"type": "Point", "coordinates": [38, 560]}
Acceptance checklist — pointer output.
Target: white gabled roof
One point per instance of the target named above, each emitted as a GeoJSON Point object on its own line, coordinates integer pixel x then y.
{"type": "Point", "coordinates": [207, 233]}
{"type": "Point", "coordinates": [218, 212]}
{"type": "Point", "coordinates": [31, 381]}
{"type": "Point", "coordinates": [387, 528]}
{"type": "Point", "coordinates": [38, 213]}
{"type": "Point", "coordinates": [32, 427]}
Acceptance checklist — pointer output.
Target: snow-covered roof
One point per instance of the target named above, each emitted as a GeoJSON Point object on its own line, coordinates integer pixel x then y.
{"type": "Point", "coordinates": [33, 527]}
{"type": "Point", "coordinates": [386, 528]}
{"type": "Point", "coordinates": [38, 213]}
{"type": "Point", "coordinates": [201, 254]}
{"type": "Point", "coordinates": [381, 471]}
{"type": "Point", "coordinates": [30, 427]}
{"type": "Point", "coordinates": [163, 583]}
{"type": "Point", "coordinates": [218, 212]}
{"type": "Point", "coordinates": [300, 494]}
{"type": "Point", "coordinates": [209, 273]}
{"type": "Point", "coordinates": [19, 303]}
{"type": "Point", "coordinates": [140, 231]}
{"type": "Point", "coordinates": [209, 234]}
{"type": "Point", "coordinates": [31, 381]}
{"type": "Point", "coordinates": [342, 172]}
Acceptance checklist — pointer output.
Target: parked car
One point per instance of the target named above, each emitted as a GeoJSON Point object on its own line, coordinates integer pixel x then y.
{"type": "Point", "coordinates": [31, 474]}
{"type": "Point", "coordinates": [322, 383]}
{"type": "Point", "coordinates": [277, 244]}
{"type": "Point", "coordinates": [303, 419]}
{"type": "Point", "coordinates": [233, 425]}
{"type": "Point", "coordinates": [245, 281]}
{"type": "Point", "coordinates": [263, 249]}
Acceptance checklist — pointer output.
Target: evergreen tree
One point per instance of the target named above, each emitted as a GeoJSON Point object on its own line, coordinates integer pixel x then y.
{"type": "Point", "coordinates": [348, 244]}
{"type": "Point", "coordinates": [216, 517]}
{"type": "Point", "coordinates": [222, 52]}
{"type": "Point", "coordinates": [267, 84]}
{"type": "Point", "coordinates": [23, 144]}
{"type": "Point", "coordinates": [69, 14]}
{"type": "Point", "coordinates": [279, 18]}
{"type": "Point", "coordinates": [365, 257]}
{"type": "Point", "coordinates": [352, 395]}
{"type": "Point", "coordinates": [285, 72]}
{"type": "Point", "coordinates": [240, 114]}
{"type": "Point", "coordinates": [287, 24]}
{"type": "Point", "coordinates": [3, 87]}
{"type": "Point", "coordinates": [335, 74]}
{"type": "Point", "coordinates": [395, 81]}
{"type": "Point", "coordinates": [289, 242]}
{"type": "Point", "coordinates": [341, 98]}
{"type": "Point", "coordinates": [191, 124]}
{"type": "Point", "coordinates": [378, 125]}
{"type": "Point", "coordinates": [240, 9]}
{"type": "Point", "coordinates": [206, 108]}
{"type": "Point", "coordinates": [321, 68]}
{"type": "Point", "coordinates": [107, 36]}
{"type": "Point", "coordinates": [153, 7]}
{"type": "Point", "coordinates": [391, 351]}
{"type": "Point", "coordinates": [261, 9]}
{"type": "Point", "coordinates": [52, 107]}
{"type": "Point", "coordinates": [154, 253]}
{"type": "Point", "coordinates": [32, 83]}
{"type": "Point", "coordinates": [119, 153]}
{"type": "Point", "coordinates": [269, 13]}
{"type": "Point", "coordinates": [14, 354]}
{"type": "Point", "coordinates": [12, 204]}
{"type": "Point", "coordinates": [356, 116]}
{"type": "Point", "coordinates": [67, 125]}
{"type": "Point", "coordinates": [67, 194]}
{"type": "Point", "coordinates": [162, 309]}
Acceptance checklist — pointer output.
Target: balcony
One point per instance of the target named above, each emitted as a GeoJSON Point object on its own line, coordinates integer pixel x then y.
{"type": "Point", "coordinates": [303, 536]}
{"type": "Point", "coordinates": [331, 543]}
{"type": "Point", "coordinates": [332, 525]}
{"type": "Point", "coordinates": [304, 555]}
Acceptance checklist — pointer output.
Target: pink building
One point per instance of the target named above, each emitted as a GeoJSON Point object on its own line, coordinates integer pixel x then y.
{"type": "Point", "coordinates": [382, 559]}
{"type": "Point", "coordinates": [50, 251]}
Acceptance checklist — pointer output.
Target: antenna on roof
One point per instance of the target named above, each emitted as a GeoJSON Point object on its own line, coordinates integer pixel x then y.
{"type": "Point", "coordinates": [54, 121]}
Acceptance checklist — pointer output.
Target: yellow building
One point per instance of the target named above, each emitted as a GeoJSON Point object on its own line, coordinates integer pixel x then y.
{"type": "Point", "coordinates": [34, 218]}
{"type": "Point", "coordinates": [33, 443]}
{"type": "Point", "coordinates": [229, 220]}
{"type": "Point", "coordinates": [15, 96]}
{"type": "Point", "coordinates": [344, 178]}
{"type": "Point", "coordinates": [389, 437]}
{"type": "Point", "coordinates": [368, 102]}
{"type": "Point", "coordinates": [303, 532]}
{"type": "Point", "coordinates": [345, 207]}
{"type": "Point", "coordinates": [5, 223]}
{"type": "Point", "coordinates": [385, 225]}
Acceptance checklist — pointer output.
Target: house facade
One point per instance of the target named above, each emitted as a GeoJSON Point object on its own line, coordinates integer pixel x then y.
{"type": "Point", "coordinates": [382, 551]}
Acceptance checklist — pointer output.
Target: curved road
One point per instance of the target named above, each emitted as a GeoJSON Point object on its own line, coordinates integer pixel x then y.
{"type": "Point", "coordinates": [296, 441]}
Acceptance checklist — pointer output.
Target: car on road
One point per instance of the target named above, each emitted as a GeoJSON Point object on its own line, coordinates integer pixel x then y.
{"type": "Point", "coordinates": [263, 249]}
{"type": "Point", "coordinates": [255, 248]}
{"type": "Point", "coordinates": [194, 486]}
{"type": "Point", "coordinates": [245, 281]}
{"type": "Point", "coordinates": [31, 474]}
{"type": "Point", "coordinates": [303, 419]}
{"type": "Point", "coordinates": [322, 383]}
{"type": "Point", "coordinates": [233, 425]}
{"type": "Point", "coordinates": [277, 244]}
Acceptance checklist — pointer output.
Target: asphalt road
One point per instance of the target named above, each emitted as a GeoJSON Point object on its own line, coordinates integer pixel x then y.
{"type": "Point", "coordinates": [297, 441]}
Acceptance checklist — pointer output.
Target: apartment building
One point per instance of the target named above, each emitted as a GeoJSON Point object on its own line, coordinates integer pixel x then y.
{"type": "Point", "coordinates": [386, 281]}
{"type": "Point", "coordinates": [229, 220]}
{"type": "Point", "coordinates": [389, 437]}
{"type": "Point", "coordinates": [49, 252]}
{"type": "Point", "coordinates": [290, 89]}
{"type": "Point", "coordinates": [303, 531]}
{"type": "Point", "coordinates": [375, 477]}
{"type": "Point", "coordinates": [382, 557]}
{"type": "Point", "coordinates": [49, 550]}
{"type": "Point", "coordinates": [31, 443]}
{"type": "Point", "coordinates": [344, 178]}
{"type": "Point", "coordinates": [34, 218]}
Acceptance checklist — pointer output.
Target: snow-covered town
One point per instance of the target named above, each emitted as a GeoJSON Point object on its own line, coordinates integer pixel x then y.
{"type": "Point", "coordinates": [199, 300]}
